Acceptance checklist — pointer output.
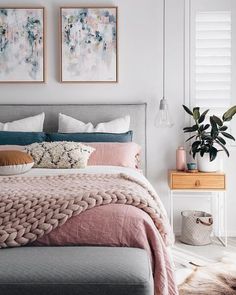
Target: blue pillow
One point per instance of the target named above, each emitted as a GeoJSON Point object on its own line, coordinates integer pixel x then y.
{"type": "Point", "coordinates": [91, 137]}
{"type": "Point", "coordinates": [21, 138]}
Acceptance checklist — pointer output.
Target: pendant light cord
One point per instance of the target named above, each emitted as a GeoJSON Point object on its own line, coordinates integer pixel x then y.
{"type": "Point", "coordinates": [164, 47]}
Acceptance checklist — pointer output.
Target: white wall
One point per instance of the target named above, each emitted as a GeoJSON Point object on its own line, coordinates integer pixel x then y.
{"type": "Point", "coordinates": [140, 78]}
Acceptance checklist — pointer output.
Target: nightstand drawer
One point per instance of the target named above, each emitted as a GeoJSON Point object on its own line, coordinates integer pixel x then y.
{"type": "Point", "coordinates": [198, 181]}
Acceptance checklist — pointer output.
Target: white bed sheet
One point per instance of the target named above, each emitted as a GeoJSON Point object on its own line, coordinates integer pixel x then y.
{"type": "Point", "coordinates": [89, 169]}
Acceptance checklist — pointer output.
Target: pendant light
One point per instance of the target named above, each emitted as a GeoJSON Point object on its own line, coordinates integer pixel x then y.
{"type": "Point", "coordinates": [163, 117]}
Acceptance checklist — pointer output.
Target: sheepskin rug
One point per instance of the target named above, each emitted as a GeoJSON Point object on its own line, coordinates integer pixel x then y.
{"type": "Point", "coordinates": [213, 279]}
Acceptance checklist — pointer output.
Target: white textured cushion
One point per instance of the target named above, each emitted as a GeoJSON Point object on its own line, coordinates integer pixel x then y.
{"type": "Point", "coordinates": [30, 124]}
{"type": "Point", "coordinates": [68, 124]}
{"type": "Point", "coordinates": [60, 154]}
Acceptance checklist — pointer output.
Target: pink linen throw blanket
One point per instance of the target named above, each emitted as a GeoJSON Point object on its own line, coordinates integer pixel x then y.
{"type": "Point", "coordinates": [31, 207]}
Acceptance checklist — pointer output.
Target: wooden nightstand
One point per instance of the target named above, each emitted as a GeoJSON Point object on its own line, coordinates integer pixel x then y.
{"type": "Point", "coordinates": [191, 185]}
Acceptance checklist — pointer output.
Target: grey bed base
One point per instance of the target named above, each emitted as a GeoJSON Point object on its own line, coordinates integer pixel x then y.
{"type": "Point", "coordinates": [75, 271]}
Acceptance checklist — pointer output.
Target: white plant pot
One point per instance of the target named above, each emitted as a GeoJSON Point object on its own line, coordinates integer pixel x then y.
{"type": "Point", "coordinates": [204, 164]}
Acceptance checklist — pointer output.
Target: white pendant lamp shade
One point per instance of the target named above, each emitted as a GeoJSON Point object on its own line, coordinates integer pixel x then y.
{"type": "Point", "coordinates": [163, 117]}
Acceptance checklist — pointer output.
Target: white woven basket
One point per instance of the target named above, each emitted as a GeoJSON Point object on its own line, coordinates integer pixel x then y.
{"type": "Point", "coordinates": [197, 227]}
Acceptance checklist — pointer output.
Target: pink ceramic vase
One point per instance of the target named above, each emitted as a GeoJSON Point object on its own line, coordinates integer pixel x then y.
{"type": "Point", "coordinates": [180, 159]}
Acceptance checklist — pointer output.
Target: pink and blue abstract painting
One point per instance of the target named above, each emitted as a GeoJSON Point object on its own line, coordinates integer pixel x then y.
{"type": "Point", "coordinates": [21, 45]}
{"type": "Point", "coordinates": [89, 44]}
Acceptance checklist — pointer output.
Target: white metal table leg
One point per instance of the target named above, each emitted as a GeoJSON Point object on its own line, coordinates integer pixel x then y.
{"type": "Point", "coordinates": [171, 210]}
{"type": "Point", "coordinates": [222, 210]}
{"type": "Point", "coordinates": [219, 221]}
{"type": "Point", "coordinates": [225, 218]}
{"type": "Point", "coordinates": [213, 211]}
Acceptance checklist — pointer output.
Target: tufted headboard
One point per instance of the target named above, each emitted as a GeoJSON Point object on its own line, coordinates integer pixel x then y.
{"type": "Point", "coordinates": [85, 112]}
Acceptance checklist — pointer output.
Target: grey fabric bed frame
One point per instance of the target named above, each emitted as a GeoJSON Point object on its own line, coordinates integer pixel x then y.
{"type": "Point", "coordinates": [77, 270]}
{"type": "Point", "coordinates": [94, 113]}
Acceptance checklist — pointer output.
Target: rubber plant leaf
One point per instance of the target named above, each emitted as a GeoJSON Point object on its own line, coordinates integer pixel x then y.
{"type": "Point", "coordinates": [228, 115]}
{"type": "Point", "coordinates": [196, 113]}
{"type": "Point", "coordinates": [202, 117]}
{"type": "Point", "coordinates": [217, 120]}
{"type": "Point", "coordinates": [187, 110]}
{"type": "Point", "coordinates": [228, 135]}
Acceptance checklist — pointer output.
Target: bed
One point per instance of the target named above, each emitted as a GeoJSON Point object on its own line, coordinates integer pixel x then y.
{"type": "Point", "coordinates": [115, 225]}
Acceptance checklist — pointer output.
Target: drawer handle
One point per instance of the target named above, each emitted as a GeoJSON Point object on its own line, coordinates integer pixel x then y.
{"type": "Point", "coordinates": [197, 183]}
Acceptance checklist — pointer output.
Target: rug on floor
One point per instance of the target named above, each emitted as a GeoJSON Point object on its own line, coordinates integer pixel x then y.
{"type": "Point", "coordinates": [213, 279]}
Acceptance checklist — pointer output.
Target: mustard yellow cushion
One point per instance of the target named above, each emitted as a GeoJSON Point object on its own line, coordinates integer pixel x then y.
{"type": "Point", "coordinates": [14, 162]}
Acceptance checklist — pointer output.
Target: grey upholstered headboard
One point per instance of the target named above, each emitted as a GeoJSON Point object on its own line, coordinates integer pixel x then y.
{"type": "Point", "coordinates": [85, 112]}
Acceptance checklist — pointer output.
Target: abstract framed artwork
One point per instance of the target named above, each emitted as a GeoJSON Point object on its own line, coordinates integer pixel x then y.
{"type": "Point", "coordinates": [89, 44]}
{"type": "Point", "coordinates": [22, 44]}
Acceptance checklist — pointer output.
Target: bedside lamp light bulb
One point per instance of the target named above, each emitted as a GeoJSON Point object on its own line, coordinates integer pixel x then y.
{"type": "Point", "coordinates": [163, 118]}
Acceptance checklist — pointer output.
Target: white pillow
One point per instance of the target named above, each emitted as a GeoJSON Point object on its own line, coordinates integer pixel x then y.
{"type": "Point", "coordinates": [68, 124]}
{"type": "Point", "coordinates": [30, 124]}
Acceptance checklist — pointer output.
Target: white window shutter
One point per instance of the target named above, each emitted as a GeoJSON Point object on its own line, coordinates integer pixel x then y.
{"type": "Point", "coordinates": [213, 60]}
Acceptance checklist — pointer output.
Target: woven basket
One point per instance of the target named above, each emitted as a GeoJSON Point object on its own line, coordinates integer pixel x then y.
{"type": "Point", "coordinates": [197, 227]}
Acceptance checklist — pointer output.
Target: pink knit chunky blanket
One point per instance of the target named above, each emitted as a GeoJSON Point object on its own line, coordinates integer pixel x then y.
{"type": "Point", "coordinates": [31, 207]}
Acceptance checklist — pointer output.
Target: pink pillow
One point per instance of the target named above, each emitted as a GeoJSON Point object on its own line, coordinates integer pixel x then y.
{"type": "Point", "coordinates": [115, 154]}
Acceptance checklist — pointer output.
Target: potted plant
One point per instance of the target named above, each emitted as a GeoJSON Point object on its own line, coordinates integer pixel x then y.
{"type": "Point", "coordinates": [209, 137]}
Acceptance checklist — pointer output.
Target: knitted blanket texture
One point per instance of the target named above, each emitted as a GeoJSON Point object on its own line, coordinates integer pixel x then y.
{"type": "Point", "coordinates": [33, 206]}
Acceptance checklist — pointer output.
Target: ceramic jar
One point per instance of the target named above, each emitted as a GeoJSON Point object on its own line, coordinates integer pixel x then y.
{"type": "Point", "coordinates": [180, 159]}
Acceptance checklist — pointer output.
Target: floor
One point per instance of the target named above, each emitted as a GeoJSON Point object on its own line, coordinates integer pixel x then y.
{"type": "Point", "coordinates": [201, 255]}
{"type": "Point", "coordinates": [186, 257]}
